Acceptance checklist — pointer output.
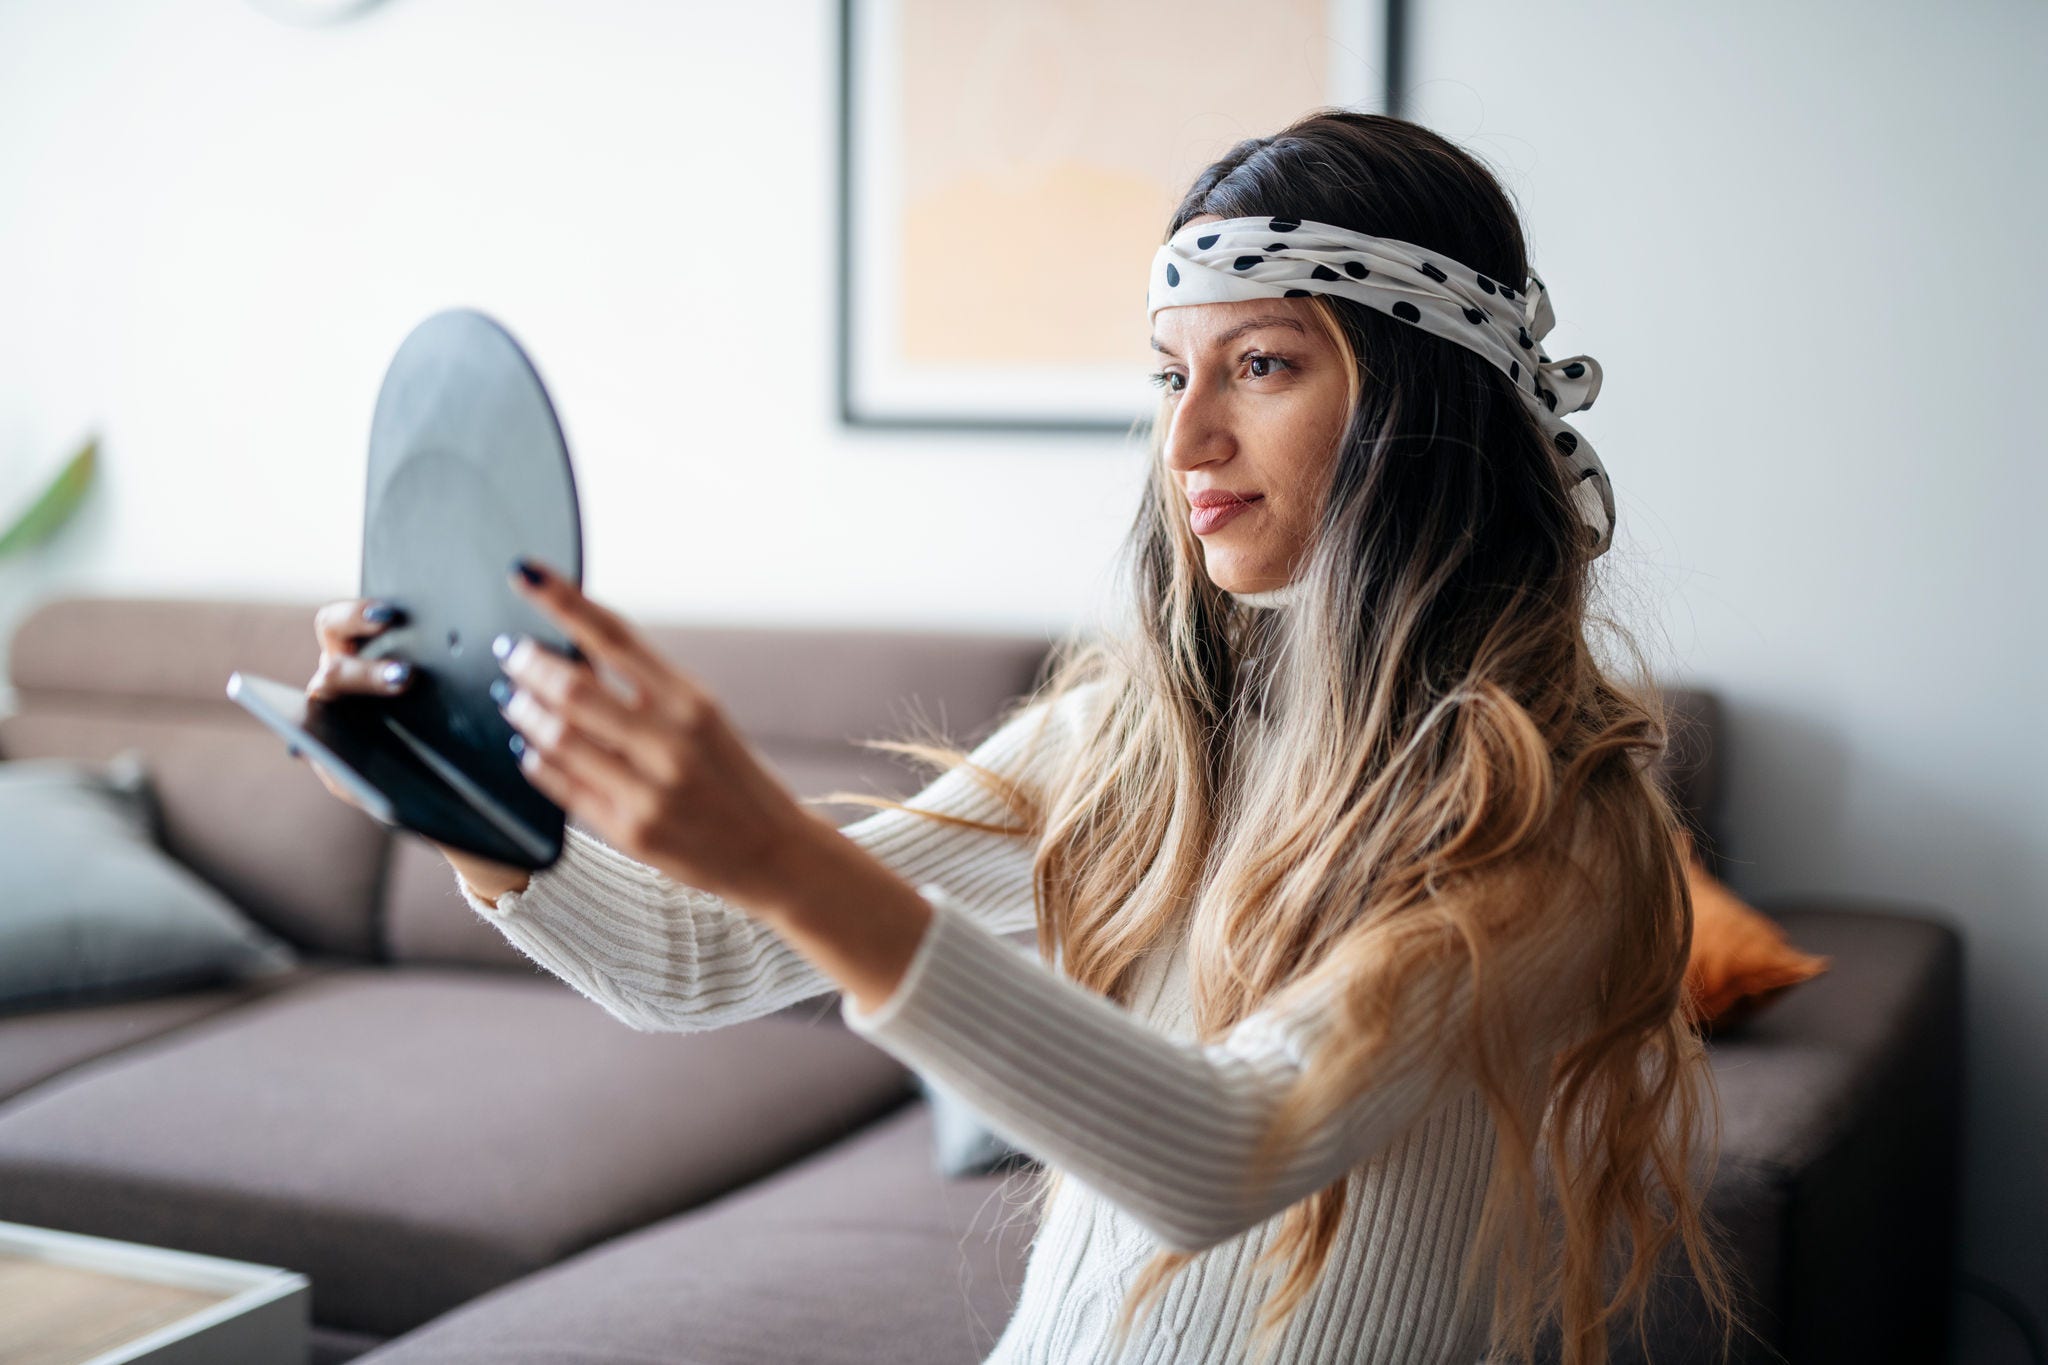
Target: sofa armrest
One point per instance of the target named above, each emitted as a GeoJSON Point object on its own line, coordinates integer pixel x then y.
{"type": "Point", "coordinates": [1836, 1180]}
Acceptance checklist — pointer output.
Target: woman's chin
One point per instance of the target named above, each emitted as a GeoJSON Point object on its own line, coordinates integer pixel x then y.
{"type": "Point", "coordinates": [1228, 571]}
{"type": "Point", "coordinates": [1243, 578]}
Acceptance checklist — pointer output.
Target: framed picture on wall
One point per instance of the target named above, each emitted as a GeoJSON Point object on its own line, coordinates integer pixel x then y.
{"type": "Point", "coordinates": [1007, 171]}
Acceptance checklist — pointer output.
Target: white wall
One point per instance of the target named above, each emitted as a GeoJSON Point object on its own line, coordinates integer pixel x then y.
{"type": "Point", "coordinates": [1802, 241]}
{"type": "Point", "coordinates": [1805, 243]}
{"type": "Point", "coordinates": [215, 229]}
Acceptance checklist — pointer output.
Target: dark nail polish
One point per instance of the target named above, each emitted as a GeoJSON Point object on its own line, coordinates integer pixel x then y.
{"type": "Point", "coordinates": [292, 749]}
{"type": "Point", "coordinates": [527, 570]}
{"type": "Point", "coordinates": [397, 671]}
{"type": "Point", "coordinates": [517, 744]}
{"type": "Point", "coordinates": [501, 690]}
{"type": "Point", "coordinates": [384, 613]}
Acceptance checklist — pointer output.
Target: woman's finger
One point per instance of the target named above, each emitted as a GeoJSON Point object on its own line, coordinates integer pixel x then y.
{"type": "Point", "coordinates": [598, 631]}
{"type": "Point", "coordinates": [565, 689]}
{"type": "Point", "coordinates": [343, 626]}
{"type": "Point", "coordinates": [568, 749]}
{"type": "Point", "coordinates": [563, 787]}
{"type": "Point", "coordinates": [340, 674]}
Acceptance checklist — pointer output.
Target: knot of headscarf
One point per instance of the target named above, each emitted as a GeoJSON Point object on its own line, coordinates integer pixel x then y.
{"type": "Point", "coordinates": [1253, 258]}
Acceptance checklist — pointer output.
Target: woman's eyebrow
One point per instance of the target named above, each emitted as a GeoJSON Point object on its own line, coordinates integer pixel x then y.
{"type": "Point", "coordinates": [1250, 325]}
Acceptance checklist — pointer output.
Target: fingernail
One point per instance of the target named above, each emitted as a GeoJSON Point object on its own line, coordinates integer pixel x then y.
{"type": "Point", "coordinates": [292, 749]}
{"type": "Point", "coordinates": [517, 744]}
{"type": "Point", "coordinates": [501, 690]}
{"type": "Point", "coordinates": [502, 646]}
{"type": "Point", "coordinates": [384, 613]}
{"type": "Point", "coordinates": [527, 570]}
{"type": "Point", "coordinates": [397, 671]}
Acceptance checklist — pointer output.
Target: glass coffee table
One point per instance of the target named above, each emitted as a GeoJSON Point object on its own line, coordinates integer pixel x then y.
{"type": "Point", "coordinates": [69, 1299]}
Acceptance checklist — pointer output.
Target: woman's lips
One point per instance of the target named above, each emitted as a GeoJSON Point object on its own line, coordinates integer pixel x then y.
{"type": "Point", "coordinates": [1207, 519]}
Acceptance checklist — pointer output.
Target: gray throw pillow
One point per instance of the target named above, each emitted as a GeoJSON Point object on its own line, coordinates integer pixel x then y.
{"type": "Point", "coordinates": [91, 909]}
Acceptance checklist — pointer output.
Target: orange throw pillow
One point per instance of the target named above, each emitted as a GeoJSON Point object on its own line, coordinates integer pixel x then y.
{"type": "Point", "coordinates": [1740, 959]}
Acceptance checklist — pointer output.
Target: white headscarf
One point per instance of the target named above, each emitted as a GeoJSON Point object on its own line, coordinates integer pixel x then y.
{"type": "Point", "coordinates": [1258, 258]}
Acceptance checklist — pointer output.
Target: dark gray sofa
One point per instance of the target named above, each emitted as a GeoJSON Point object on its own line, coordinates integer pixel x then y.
{"type": "Point", "coordinates": [474, 1164]}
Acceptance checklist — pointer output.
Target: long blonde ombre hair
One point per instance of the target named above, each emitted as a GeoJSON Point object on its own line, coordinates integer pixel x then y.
{"type": "Point", "coordinates": [1415, 764]}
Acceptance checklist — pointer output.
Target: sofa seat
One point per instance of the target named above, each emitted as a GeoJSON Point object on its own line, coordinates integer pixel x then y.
{"type": "Point", "coordinates": [859, 1254]}
{"type": "Point", "coordinates": [862, 1253]}
{"type": "Point", "coordinates": [412, 1137]}
{"type": "Point", "coordinates": [36, 1045]}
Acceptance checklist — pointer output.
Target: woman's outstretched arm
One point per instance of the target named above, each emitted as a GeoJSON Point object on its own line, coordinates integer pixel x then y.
{"type": "Point", "coordinates": [1165, 1128]}
{"type": "Point", "coordinates": [660, 955]}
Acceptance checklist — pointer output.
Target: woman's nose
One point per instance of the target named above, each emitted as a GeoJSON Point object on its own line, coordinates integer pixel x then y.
{"type": "Point", "coordinates": [1196, 432]}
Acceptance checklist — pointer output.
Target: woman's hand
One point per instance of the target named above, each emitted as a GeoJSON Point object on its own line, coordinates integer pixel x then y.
{"type": "Point", "coordinates": [342, 627]}
{"type": "Point", "coordinates": [646, 757]}
{"type": "Point", "coordinates": [640, 752]}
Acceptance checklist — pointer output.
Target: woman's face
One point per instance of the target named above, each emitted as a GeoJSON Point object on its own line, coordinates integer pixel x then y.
{"type": "Point", "coordinates": [1256, 402]}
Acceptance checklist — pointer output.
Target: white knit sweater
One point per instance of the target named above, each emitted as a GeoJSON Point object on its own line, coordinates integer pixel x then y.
{"type": "Point", "coordinates": [1153, 1129]}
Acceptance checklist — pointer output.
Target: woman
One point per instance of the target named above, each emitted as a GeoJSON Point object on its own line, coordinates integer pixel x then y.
{"type": "Point", "coordinates": [1366, 918]}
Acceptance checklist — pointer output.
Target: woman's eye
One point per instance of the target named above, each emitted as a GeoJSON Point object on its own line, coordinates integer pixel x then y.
{"type": "Point", "coordinates": [1165, 379]}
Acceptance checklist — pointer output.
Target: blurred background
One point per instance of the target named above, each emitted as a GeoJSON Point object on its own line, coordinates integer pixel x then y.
{"type": "Point", "coordinates": [1801, 240]}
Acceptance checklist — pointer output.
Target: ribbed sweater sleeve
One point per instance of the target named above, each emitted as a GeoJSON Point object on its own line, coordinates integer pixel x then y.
{"type": "Point", "coordinates": [662, 956]}
{"type": "Point", "coordinates": [1162, 1127]}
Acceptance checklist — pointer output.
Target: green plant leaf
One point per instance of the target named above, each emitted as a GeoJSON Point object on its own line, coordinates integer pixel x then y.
{"type": "Point", "coordinates": [56, 504]}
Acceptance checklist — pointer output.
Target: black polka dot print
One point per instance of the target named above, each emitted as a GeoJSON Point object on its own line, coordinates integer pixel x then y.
{"type": "Point", "coordinates": [1295, 258]}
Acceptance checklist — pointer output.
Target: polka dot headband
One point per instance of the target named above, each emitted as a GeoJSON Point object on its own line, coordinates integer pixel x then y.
{"type": "Point", "coordinates": [1269, 258]}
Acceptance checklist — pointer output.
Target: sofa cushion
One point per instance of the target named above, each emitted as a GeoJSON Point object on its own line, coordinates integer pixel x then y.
{"type": "Point", "coordinates": [95, 911]}
{"type": "Point", "coordinates": [857, 1255]}
{"type": "Point", "coordinates": [43, 1043]}
{"type": "Point", "coordinates": [410, 1138]}
{"type": "Point", "coordinates": [97, 675]}
{"type": "Point", "coordinates": [425, 919]}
